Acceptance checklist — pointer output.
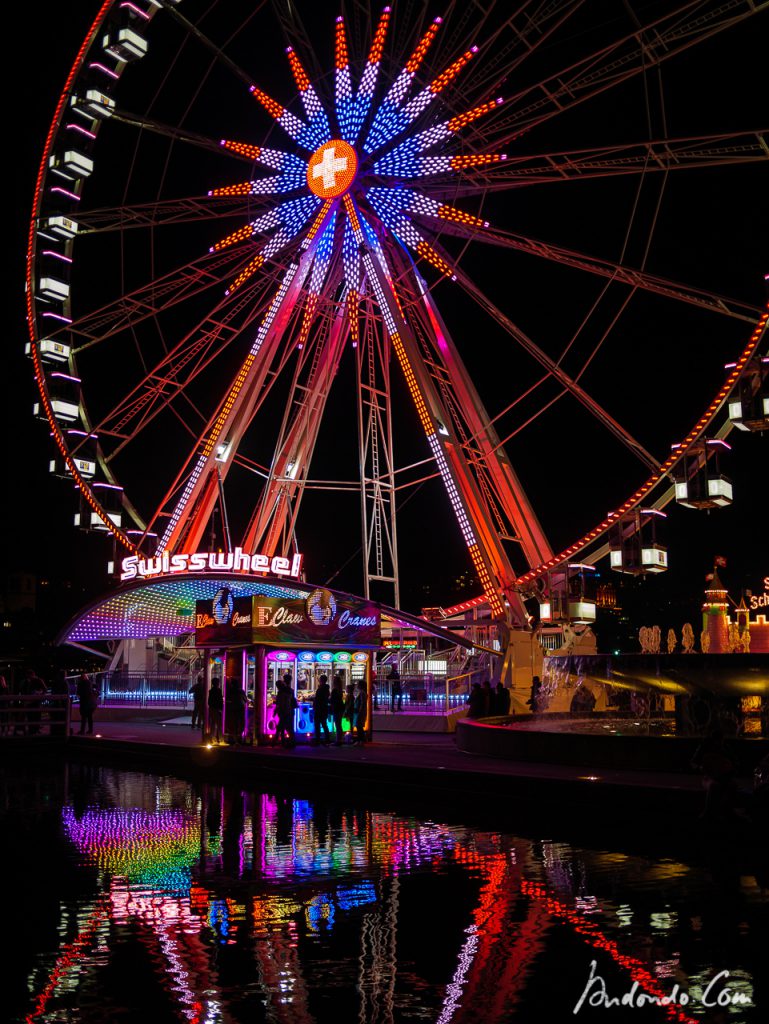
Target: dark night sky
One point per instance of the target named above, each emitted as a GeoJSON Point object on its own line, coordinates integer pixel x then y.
{"type": "Point", "coordinates": [657, 372]}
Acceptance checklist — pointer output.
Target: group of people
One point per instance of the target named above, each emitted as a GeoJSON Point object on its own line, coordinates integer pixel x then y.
{"type": "Point", "coordinates": [338, 704]}
{"type": "Point", "coordinates": [229, 704]}
{"type": "Point", "coordinates": [21, 706]}
{"type": "Point", "coordinates": [333, 705]}
{"type": "Point", "coordinates": [485, 701]}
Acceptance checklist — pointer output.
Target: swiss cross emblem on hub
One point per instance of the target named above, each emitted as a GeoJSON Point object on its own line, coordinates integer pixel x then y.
{"type": "Point", "coordinates": [331, 169]}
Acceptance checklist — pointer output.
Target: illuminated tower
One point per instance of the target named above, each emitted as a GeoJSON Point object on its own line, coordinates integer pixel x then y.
{"type": "Point", "coordinates": [715, 621]}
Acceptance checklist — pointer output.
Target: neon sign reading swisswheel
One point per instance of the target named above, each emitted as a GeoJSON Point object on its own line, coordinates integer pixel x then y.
{"type": "Point", "coordinates": [204, 261]}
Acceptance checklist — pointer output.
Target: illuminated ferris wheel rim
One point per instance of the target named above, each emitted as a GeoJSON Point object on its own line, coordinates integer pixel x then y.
{"type": "Point", "coordinates": [336, 194]}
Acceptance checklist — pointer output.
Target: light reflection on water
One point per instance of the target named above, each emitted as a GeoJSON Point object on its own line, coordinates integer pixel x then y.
{"type": "Point", "coordinates": [205, 903]}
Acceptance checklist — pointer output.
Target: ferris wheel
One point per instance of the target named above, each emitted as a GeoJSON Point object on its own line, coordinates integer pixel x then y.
{"type": "Point", "coordinates": [215, 245]}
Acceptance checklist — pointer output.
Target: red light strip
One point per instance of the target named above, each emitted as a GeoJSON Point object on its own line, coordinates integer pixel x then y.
{"type": "Point", "coordinates": [451, 213]}
{"type": "Point", "coordinates": [377, 45]}
{"type": "Point", "coordinates": [352, 213]}
{"type": "Point", "coordinates": [471, 115]}
{"type": "Point", "coordinates": [237, 236]}
{"type": "Point", "coordinates": [243, 188]}
{"type": "Point", "coordinates": [353, 299]}
{"type": "Point", "coordinates": [426, 251]}
{"type": "Point", "coordinates": [666, 466]}
{"type": "Point", "coordinates": [300, 75]}
{"type": "Point", "coordinates": [317, 222]}
{"type": "Point", "coordinates": [411, 384]}
{"type": "Point", "coordinates": [307, 318]}
{"type": "Point", "coordinates": [341, 56]}
{"type": "Point", "coordinates": [242, 148]}
{"type": "Point", "coordinates": [451, 72]}
{"type": "Point", "coordinates": [461, 163]}
{"type": "Point", "coordinates": [416, 58]}
{"type": "Point", "coordinates": [273, 108]}
{"type": "Point", "coordinates": [56, 432]}
{"type": "Point", "coordinates": [248, 271]}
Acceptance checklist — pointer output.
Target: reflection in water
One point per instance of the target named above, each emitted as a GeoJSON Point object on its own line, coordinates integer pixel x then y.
{"type": "Point", "coordinates": [224, 905]}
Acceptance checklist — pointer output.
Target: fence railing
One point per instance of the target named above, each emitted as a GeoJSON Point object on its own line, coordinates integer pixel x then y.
{"type": "Point", "coordinates": [425, 693]}
{"type": "Point", "coordinates": [143, 689]}
{"type": "Point", "coordinates": [40, 714]}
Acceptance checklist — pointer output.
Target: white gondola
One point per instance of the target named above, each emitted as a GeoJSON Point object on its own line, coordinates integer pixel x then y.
{"type": "Point", "coordinates": [145, 542]}
{"type": "Point", "coordinates": [699, 482]}
{"type": "Point", "coordinates": [71, 164]}
{"type": "Point", "coordinates": [110, 498]}
{"type": "Point", "coordinates": [749, 404]}
{"type": "Point", "coordinates": [53, 288]}
{"type": "Point", "coordinates": [60, 227]}
{"type": "Point", "coordinates": [124, 44]}
{"type": "Point", "coordinates": [93, 104]}
{"type": "Point", "coordinates": [51, 351]}
{"type": "Point", "coordinates": [569, 596]}
{"type": "Point", "coordinates": [64, 398]}
{"type": "Point", "coordinates": [635, 543]}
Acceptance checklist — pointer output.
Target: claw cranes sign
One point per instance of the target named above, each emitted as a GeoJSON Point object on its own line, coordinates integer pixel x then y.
{"type": "Point", "coordinates": [304, 240]}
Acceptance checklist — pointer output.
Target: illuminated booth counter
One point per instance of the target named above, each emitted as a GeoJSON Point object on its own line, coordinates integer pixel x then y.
{"type": "Point", "coordinates": [250, 629]}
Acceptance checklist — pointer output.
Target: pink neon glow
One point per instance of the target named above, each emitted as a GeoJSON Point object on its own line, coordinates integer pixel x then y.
{"type": "Point", "coordinates": [57, 255]}
{"type": "Point", "coordinates": [55, 316]}
{"type": "Point", "coordinates": [79, 128]}
{"type": "Point", "coordinates": [64, 192]}
{"type": "Point", "coordinates": [107, 71]}
{"type": "Point", "coordinates": [138, 10]}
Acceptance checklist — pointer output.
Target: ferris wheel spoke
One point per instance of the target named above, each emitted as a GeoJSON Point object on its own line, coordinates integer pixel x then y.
{"type": "Point", "coordinates": [735, 148]}
{"type": "Point", "coordinates": [176, 371]}
{"type": "Point", "coordinates": [218, 52]}
{"type": "Point", "coordinates": [531, 25]}
{"type": "Point", "coordinates": [145, 123]}
{"type": "Point", "coordinates": [210, 459]}
{"type": "Point", "coordinates": [557, 372]}
{"type": "Point", "coordinates": [617, 272]}
{"type": "Point", "coordinates": [636, 52]}
{"type": "Point", "coordinates": [165, 211]}
{"type": "Point", "coordinates": [155, 297]}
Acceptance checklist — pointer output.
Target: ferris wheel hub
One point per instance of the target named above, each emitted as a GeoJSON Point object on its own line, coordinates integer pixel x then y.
{"type": "Point", "coordinates": [331, 169]}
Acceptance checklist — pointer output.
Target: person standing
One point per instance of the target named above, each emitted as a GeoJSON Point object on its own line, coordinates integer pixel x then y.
{"type": "Point", "coordinates": [235, 703]}
{"type": "Point", "coordinates": [475, 701]}
{"type": "Point", "coordinates": [86, 696]}
{"type": "Point", "coordinates": [534, 697]}
{"type": "Point", "coordinates": [349, 709]}
{"type": "Point", "coordinates": [215, 708]}
{"type": "Point", "coordinates": [286, 703]}
{"type": "Point", "coordinates": [320, 708]}
{"type": "Point", "coordinates": [361, 713]}
{"type": "Point", "coordinates": [501, 700]}
{"type": "Point", "coordinates": [197, 690]}
{"type": "Point", "coordinates": [396, 690]}
{"type": "Point", "coordinates": [337, 707]}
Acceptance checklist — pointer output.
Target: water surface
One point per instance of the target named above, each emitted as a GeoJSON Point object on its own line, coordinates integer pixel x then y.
{"type": "Point", "coordinates": [138, 897]}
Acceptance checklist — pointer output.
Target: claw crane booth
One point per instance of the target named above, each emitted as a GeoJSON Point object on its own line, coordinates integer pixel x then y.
{"type": "Point", "coordinates": [299, 635]}
{"type": "Point", "coordinates": [245, 621]}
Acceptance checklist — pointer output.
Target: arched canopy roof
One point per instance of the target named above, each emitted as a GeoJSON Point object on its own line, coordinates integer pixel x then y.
{"type": "Point", "coordinates": [165, 607]}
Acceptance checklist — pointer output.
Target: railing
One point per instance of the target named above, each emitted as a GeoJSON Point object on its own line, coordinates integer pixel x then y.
{"type": "Point", "coordinates": [424, 693]}
{"type": "Point", "coordinates": [143, 689]}
{"type": "Point", "coordinates": [39, 714]}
